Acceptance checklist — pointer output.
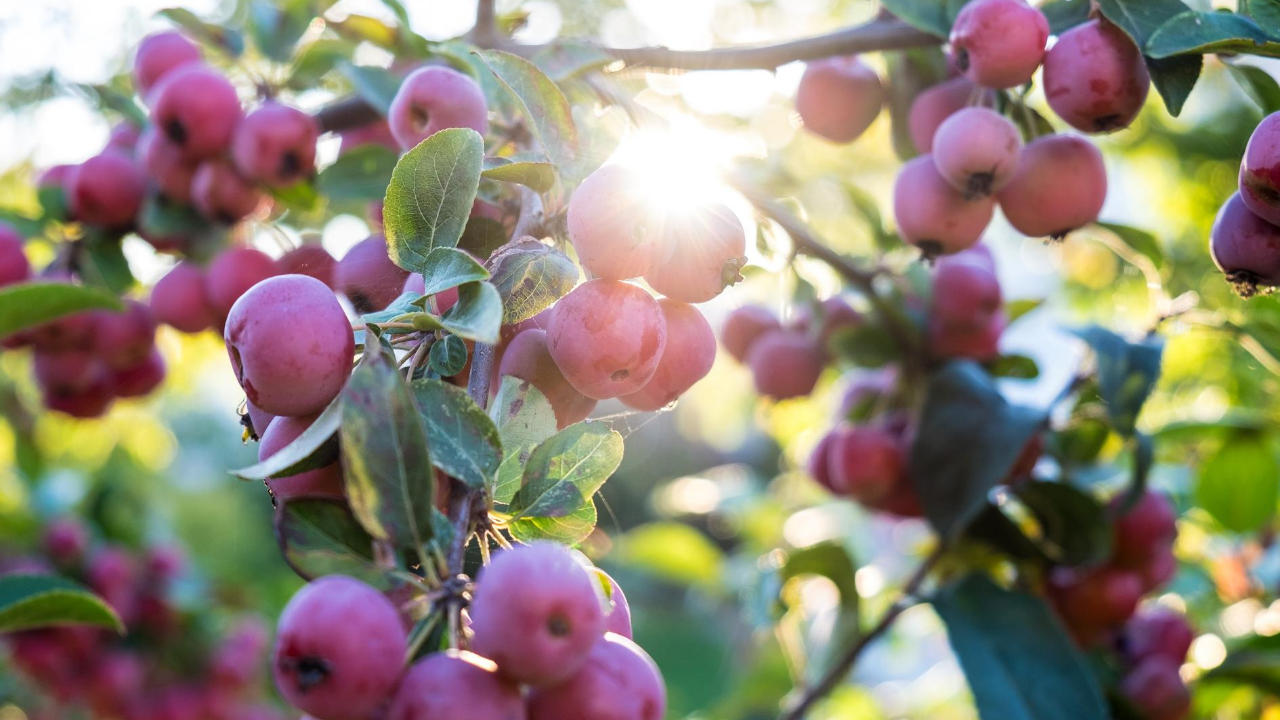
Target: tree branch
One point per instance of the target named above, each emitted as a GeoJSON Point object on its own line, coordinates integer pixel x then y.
{"type": "Point", "coordinates": [877, 35]}
{"type": "Point", "coordinates": [837, 673]}
{"type": "Point", "coordinates": [869, 37]}
{"type": "Point", "coordinates": [809, 244]}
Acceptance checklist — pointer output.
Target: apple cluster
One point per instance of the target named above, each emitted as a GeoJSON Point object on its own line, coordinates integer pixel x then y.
{"type": "Point", "coordinates": [85, 361]}
{"type": "Point", "coordinates": [1245, 239]}
{"type": "Point", "coordinates": [549, 638]}
{"type": "Point", "coordinates": [1100, 607]}
{"type": "Point", "coordinates": [973, 157]}
{"type": "Point", "coordinates": [168, 666]}
{"type": "Point", "coordinates": [608, 338]}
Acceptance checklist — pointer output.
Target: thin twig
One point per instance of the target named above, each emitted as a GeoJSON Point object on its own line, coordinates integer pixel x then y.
{"type": "Point", "coordinates": [807, 242]}
{"type": "Point", "coordinates": [837, 673]}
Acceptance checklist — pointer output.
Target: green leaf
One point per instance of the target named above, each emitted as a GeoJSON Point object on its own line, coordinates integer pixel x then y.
{"type": "Point", "coordinates": [430, 196]}
{"type": "Point", "coordinates": [482, 236]}
{"type": "Point", "coordinates": [530, 275]}
{"type": "Point", "coordinates": [276, 30]}
{"type": "Point", "coordinates": [316, 60]}
{"type": "Point", "coordinates": [996, 635]}
{"type": "Point", "coordinates": [376, 86]}
{"type": "Point", "coordinates": [389, 480]}
{"type": "Point", "coordinates": [320, 536]}
{"type": "Point", "coordinates": [569, 529]}
{"type": "Point", "coordinates": [1074, 527]}
{"type": "Point", "coordinates": [539, 175]}
{"type": "Point", "coordinates": [1258, 85]}
{"type": "Point", "coordinates": [1015, 309]}
{"type": "Point", "coordinates": [299, 197]}
{"type": "Point", "coordinates": [1141, 241]}
{"type": "Point", "coordinates": [1265, 12]}
{"type": "Point", "coordinates": [225, 39]}
{"type": "Point", "coordinates": [162, 218]}
{"type": "Point", "coordinates": [1253, 660]}
{"type": "Point", "coordinates": [967, 441]}
{"type": "Point", "coordinates": [36, 601]}
{"type": "Point", "coordinates": [102, 263]}
{"type": "Point", "coordinates": [869, 345]}
{"type": "Point", "coordinates": [1018, 367]}
{"type": "Point", "coordinates": [316, 447]}
{"type": "Point", "coordinates": [1239, 485]}
{"type": "Point", "coordinates": [541, 103]}
{"type": "Point", "coordinates": [672, 551]}
{"type": "Point", "coordinates": [1198, 33]}
{"type": "Point", "coordinates": [1173, 78]}
{"type": "Point", "coordinates": [932, 16]}
{"type": "Point", "coordinates": [565, 470]}
{"type": "Point", "coordinates": [109, 98]}
{"type": "Point", "coordinates": [1065, 14]}
{"type": "Point", "coordinates": [28, 305]}
{"type": "Point", "coordinates": [464, 442]}
{"type": "Point", "coordinates": [1127, 372]}
{"type": "Point", "coordinates": [448, 267]}
{"type": "Point", "coordinates": [362, 28]}
{"type": "Point", "coordinates": [524, 417]}
{"type": "Point", "coordinates": [1141, 18]}
{"type": "Point", "coordinates": [832, 561]}
{"type": "Point", "coordinates": [448, 356]}
{"type": "Point", "coordinates": [477, 314]}
{"type": "Point", "coordinates": [360, 174]}
{"type": "Point", "coordinates": [565, 60]}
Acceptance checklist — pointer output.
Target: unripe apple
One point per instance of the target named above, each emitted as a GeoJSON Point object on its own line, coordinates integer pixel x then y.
{"type": "Point", "coordinates": [275, 145]}
{"type": "Point", "coordinates": [1245, 247]}
{"type": "Point", "coordinates": [839, 97]}
{"type": "Point", "coordinates": [933, 106]}
{"type": "Point", "coordinates": [709, 250]}
{"type": "Point", "coordinates": [456, 685]}
{"type": "Point", "coordinates": [976, 151]}
{"type": "Point", "coordinates": [368, 277]}
{"type": "Point", "coordinates": [934, 216]}
{"type": "Point", "coordinates": [865, 463]}
{"type": "Point", "coordinates": [1143, 531]}
{"type": "Point", "coordinates": [617, 234]}
{"type": "Point", "coordinates": [178, 299]}
{"type": "Point", "coordinates": [1154, 686]}
{"type": "Point", "coordinates": [324, 481]}
{"type": "Point", "coordinates": [536, 612]}
{"type": "Point", "coordinates": [785, 363]}
{"type": "Point", "coordinates": [158, 54]}
{"type": "Point", "coordinates": [339, 650]}
{"type": "Point", "coordinates": [221, 195]}
{"type": "Point", "coordinates": [687, 358]}
{"type": "Point", "coordinates": [607, 337]}
{"type": "Point", "coordinates": [1260, 170]}
{"type": "Point", "coordinates": [310, 259]}
{"type": "Point", "coordinates": [743, 326]}
{"type": "Point", "coordinates": [107, 190]}
{"type": "Point", "coordinates": [528, 358]}
{"type": "Point", "coordinates": [290, 344]}
{"type": "Point", "coordinates": [999, 43]}
{"type": "Point", "coordinates": [1095, 77]}
{"type": "Point", "coordinates": [14, 266]}
{"type": "Point", "coordinates": [1059, 186]}
{"type": "Point", "coordinates": [232, 273]}
{"type": "Point", "coordinates": [197, 108]}
{"type": "Point", "coordinates": [140, 378]}
{"type": "Point", "coordinates": [164, 164]}
{"type": "Point", "coordinates": [432, 99]}
{"type": "Point", "coordinates": [618, 682]}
